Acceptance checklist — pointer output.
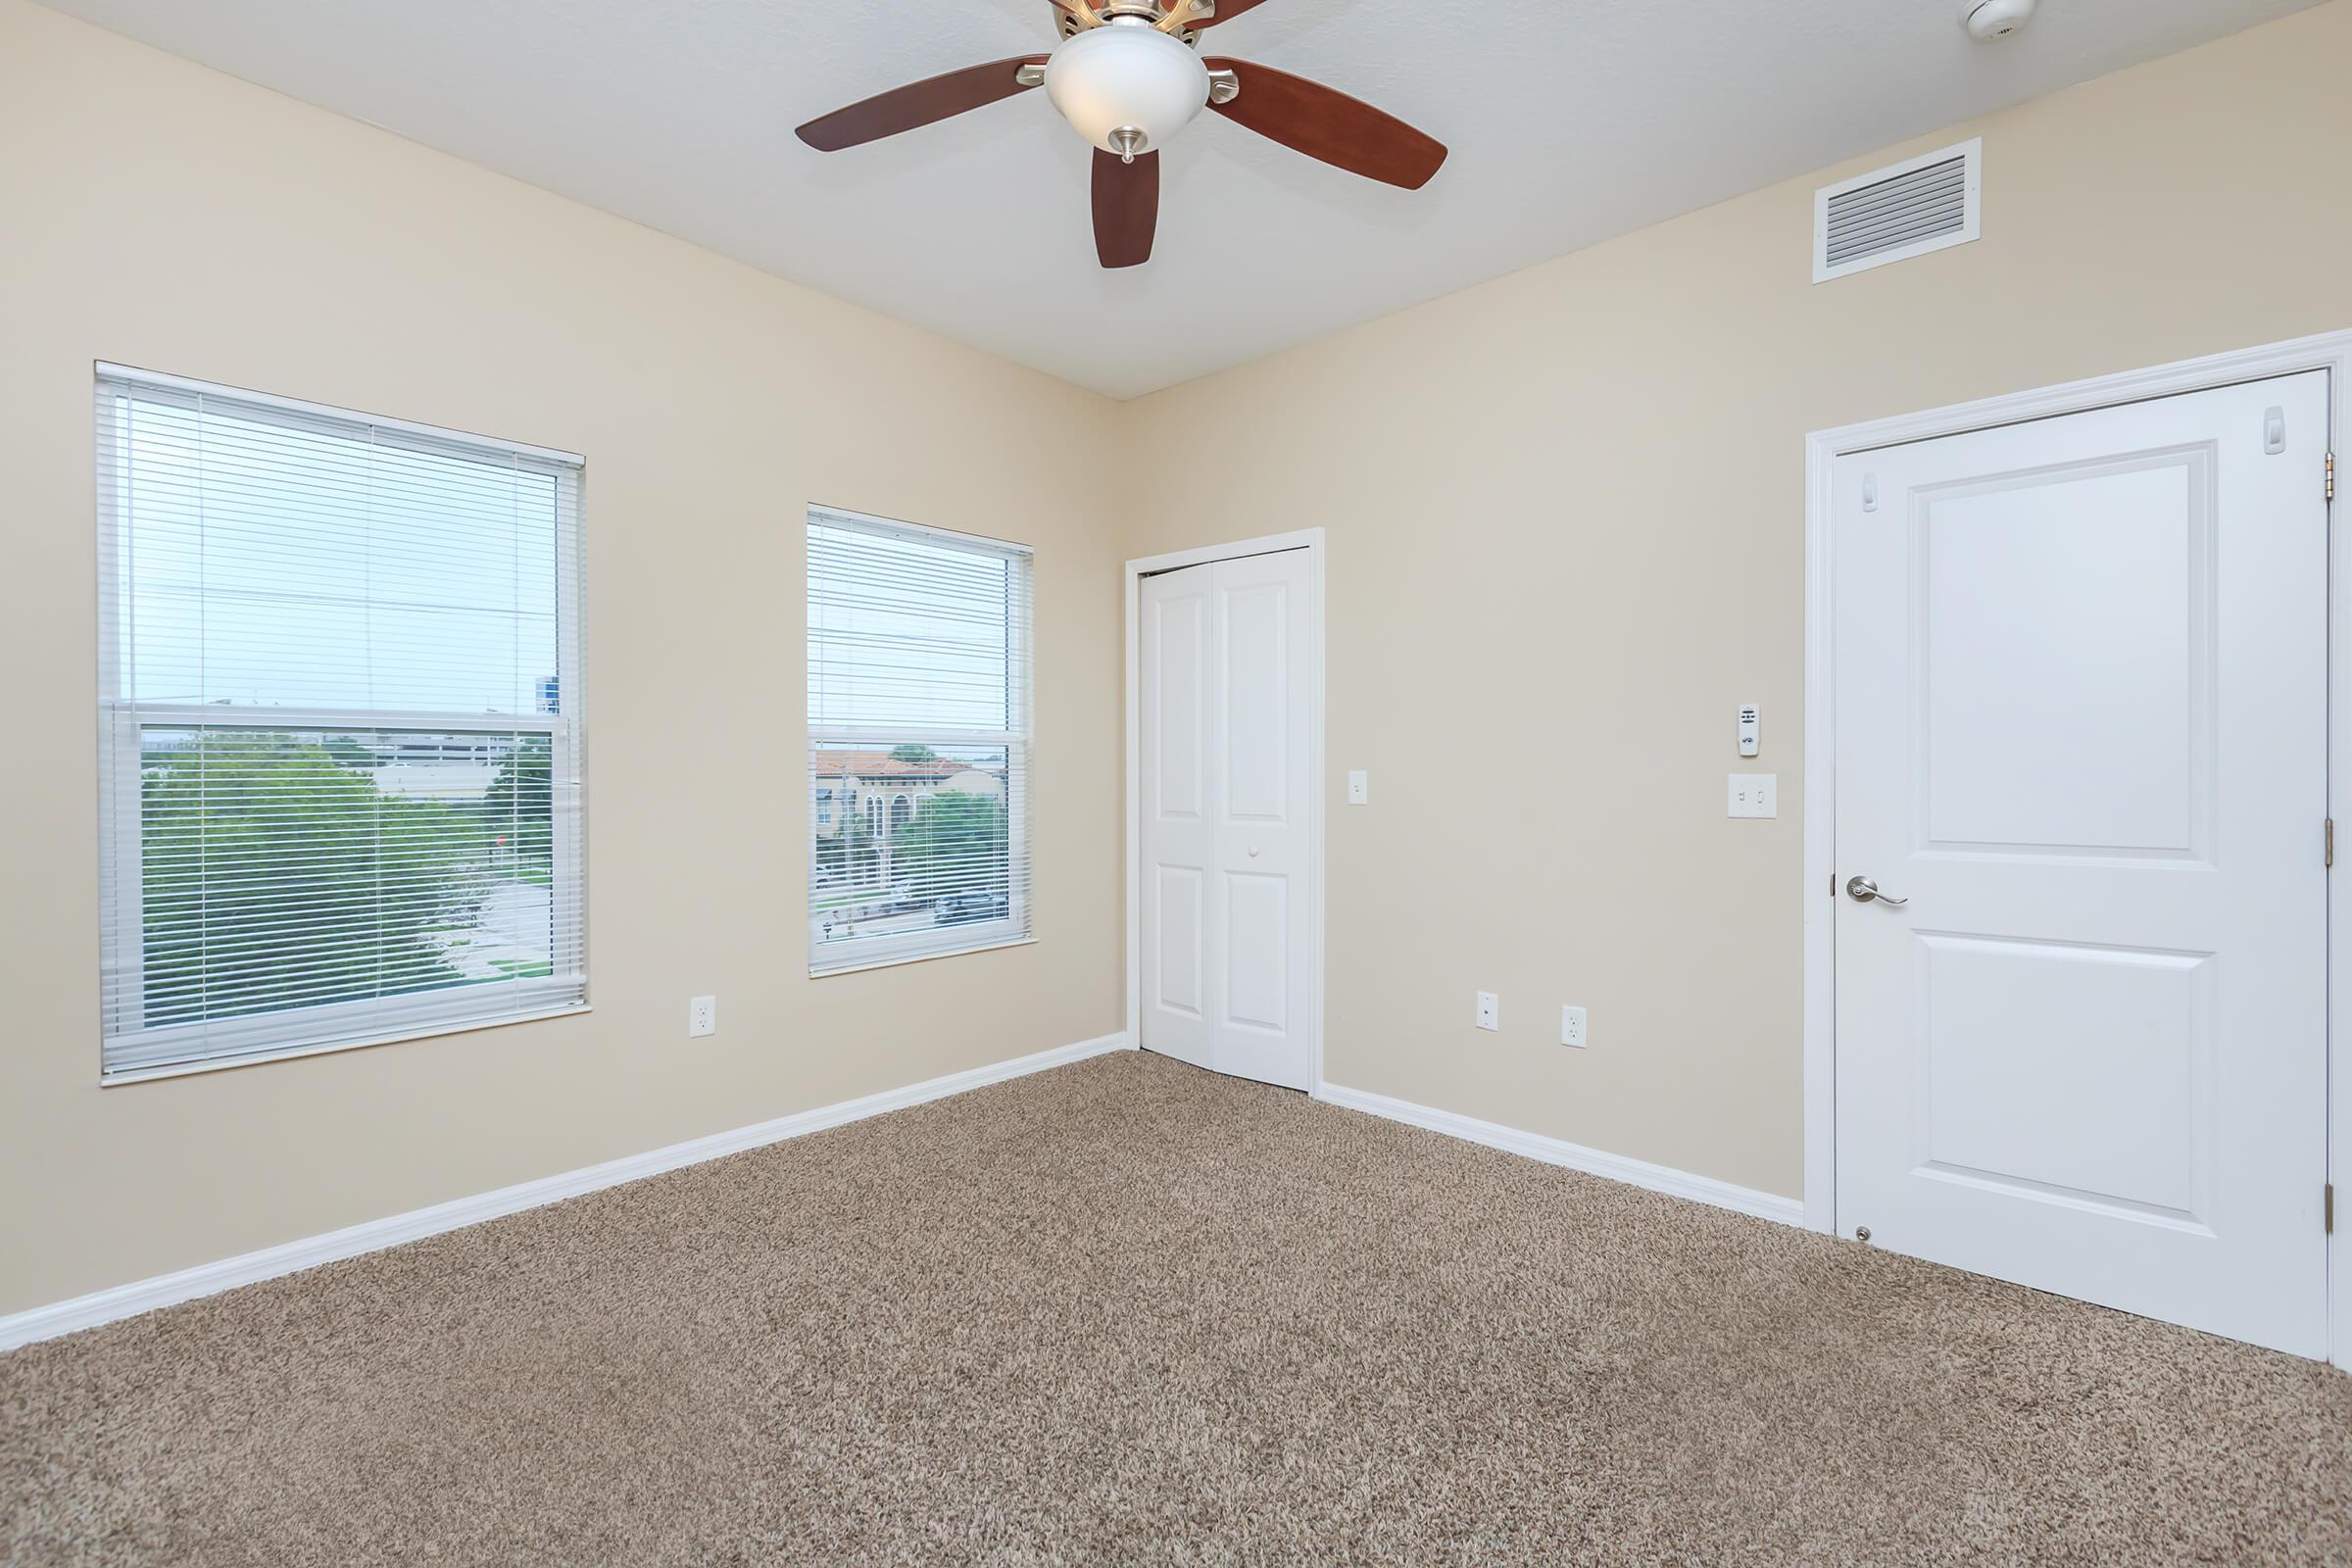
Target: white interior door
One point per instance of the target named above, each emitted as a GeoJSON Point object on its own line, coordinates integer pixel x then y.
{"type": "Point", "coordinates": [1172, 685]}
{"type": "Point", "coordinates": [2081, 730]}
{"type": "Point", "coordinates": [1260, 928]}
{"type": "Point", "coordinates": [1225, 803]}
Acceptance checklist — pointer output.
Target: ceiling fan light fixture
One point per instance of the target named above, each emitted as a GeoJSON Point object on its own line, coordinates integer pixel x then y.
{"type": "Point", "coordinates": [1126, 77]}
{"type": "Point", "coordinates": [1126, 86]}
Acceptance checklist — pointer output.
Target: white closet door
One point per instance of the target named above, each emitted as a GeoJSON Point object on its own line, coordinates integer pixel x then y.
{"type": "Point", "coordinates": [1261, 931]}
{"type": "Point", "coordinates": [1227, 923]}
{"type": "Point", "coordinates": [1173, 680]}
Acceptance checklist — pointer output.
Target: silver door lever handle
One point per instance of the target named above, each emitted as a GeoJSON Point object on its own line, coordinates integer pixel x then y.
{"type": "Point", "coordinates": [1862, 890]}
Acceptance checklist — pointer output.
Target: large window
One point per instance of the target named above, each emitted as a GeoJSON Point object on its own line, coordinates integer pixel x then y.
{"type": "Point", "coordinates": [340, 738]}
{"type": "Point", "coordinates": [918, 742]}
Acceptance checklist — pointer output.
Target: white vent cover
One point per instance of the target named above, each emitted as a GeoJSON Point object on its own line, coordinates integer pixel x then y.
{"type": "Point", "coordinates": [1892, 214]}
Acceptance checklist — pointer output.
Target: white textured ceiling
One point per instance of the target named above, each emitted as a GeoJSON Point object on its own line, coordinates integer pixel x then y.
{"type": "Point", "coordinates": [1570, 122]}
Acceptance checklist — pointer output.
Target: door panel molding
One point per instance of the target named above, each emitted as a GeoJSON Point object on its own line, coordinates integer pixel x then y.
{"type": "Point", "coordinates": [2329, 352]}
{"type": "Point", "coordinates": [1310, 540]}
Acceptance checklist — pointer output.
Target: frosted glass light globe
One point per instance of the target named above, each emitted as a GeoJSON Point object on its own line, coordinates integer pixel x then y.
{"type": "Point", "coordinates": [1127, 77]}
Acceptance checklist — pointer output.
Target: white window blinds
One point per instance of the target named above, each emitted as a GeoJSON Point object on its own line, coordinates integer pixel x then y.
{"type": "Point", "coordinates": [340, 739]}
{"type": "Point", "coordinates": [918, 742]}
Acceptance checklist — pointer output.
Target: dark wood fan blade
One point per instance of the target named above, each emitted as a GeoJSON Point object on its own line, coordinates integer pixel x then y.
{"type": "Point", "coordinates": [1126, 208]}
{"type": "Point", "coordinates": [918, 103]}
{"type": "Point", "coordinates": [1326, 123]}
{"type": "Point", "coordinates": [1227, 9]}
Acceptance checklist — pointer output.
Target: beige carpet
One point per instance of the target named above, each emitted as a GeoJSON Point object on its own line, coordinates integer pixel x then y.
{"type": "Point", "coordinates": [1130, 1312]}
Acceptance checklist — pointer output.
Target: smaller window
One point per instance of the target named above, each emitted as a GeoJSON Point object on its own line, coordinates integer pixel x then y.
{"type": "Point", "coordinates": [824, 807]}
{"type": "Point", "coordinates": [919, 688]}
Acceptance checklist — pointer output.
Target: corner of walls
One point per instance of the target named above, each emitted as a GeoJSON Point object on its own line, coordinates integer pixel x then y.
{"type": "Point", "coordinates": [1565, 519]}
{"type": "Point", "coordinates": [314, 256]}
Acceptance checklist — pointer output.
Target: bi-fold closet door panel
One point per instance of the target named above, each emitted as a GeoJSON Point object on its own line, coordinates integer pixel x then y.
{"type": "Point", "coordinates": [1173, 642]}
{"type": "Point", "coordinates": [1226, 806]}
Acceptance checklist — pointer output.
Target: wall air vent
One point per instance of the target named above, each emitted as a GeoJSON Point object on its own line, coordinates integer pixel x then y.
{"type": "Point", "coordinates": [1892, 214]}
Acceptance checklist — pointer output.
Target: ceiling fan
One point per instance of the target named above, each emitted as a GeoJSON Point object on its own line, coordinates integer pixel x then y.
{"type": "Point", "coordinates": [1128, 75]}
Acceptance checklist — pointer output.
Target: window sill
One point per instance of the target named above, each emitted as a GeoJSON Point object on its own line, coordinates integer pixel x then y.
{"type": "Point", "coordinates": [828, 973]}
{"type": "Point", "coordinates": [251, 1059]}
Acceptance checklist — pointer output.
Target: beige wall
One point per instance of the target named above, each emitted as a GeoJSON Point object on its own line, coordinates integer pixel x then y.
{"type": "Point", "coordinates": [1566, 526]}
{"type": "Point", "coordinates": [161, 215]}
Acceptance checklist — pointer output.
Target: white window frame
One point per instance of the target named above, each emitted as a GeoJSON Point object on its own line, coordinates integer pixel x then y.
{"type": "Point", "coordinates": [1018, 742]}
{"type": "Point", "coordinates": [133, 1055]}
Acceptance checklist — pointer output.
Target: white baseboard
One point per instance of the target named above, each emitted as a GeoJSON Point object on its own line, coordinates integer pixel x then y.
{"type": "Point", "coordinates": [207, 1279]}
{"type": "Point", "coordinates": [1557, 1152]}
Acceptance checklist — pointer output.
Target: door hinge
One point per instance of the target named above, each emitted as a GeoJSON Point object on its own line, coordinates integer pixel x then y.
{"type": "Point", "coordinates": [2327, 1207]}
{"type": "Point", "coordinates": [2328, 835]}
{"type": "Point", "coordinates": [2332, 477]}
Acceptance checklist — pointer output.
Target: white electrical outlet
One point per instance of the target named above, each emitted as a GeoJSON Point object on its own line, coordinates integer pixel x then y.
{"type": "Point", "coordinates": [1573, 1027]}
{"type": "Point", "coordinates": [1489, 1011]}
{"type": "Point", "coordinates": [702, 1017]}
{"type": "Point", "coordinates": [1754, 794]}
{"type": "Point", "coordinates": [1359, 787]}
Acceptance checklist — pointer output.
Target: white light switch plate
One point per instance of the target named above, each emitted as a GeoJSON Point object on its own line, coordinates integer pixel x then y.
{"type": "Point", "coordinates": [1754, 794]}
{"type": "Point", "coordinates": [1359, 787]}
{"type": "Point", "coordinates": [702, 1016]}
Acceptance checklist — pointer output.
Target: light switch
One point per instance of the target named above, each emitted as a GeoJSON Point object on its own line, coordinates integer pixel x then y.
{"type": "Point", "coordinates": [1359, 787]}
{"type": "Point", "coordinates": [1754, 794]}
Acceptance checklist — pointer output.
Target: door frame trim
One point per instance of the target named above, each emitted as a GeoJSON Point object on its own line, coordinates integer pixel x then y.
{"type": "Point", "coordinates": [1311, 541]}
{"type": "Point", "coordinates": [2331, 352]}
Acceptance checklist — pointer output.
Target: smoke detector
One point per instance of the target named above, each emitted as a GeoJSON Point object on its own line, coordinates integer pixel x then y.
{"type": "Point", "coordinates": [1988, 20]}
